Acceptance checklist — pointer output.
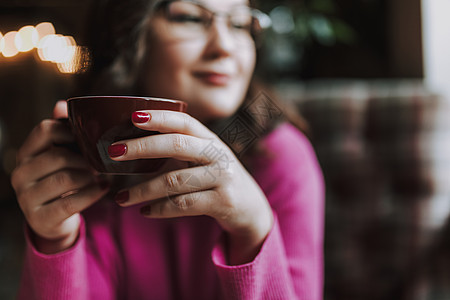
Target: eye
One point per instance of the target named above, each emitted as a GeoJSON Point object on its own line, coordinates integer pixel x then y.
{"type": "Point", "coordinates": [241, 19]}
{"type": "Point", "coordinates": [241, 26]}
{"type": "Point", "coordinates": [185, 12]}
{"type": "Point", "coordinates": [185, 18]}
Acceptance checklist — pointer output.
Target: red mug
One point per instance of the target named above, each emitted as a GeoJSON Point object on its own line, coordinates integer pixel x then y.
{"type": "Point", "coordinates": [99, 121]}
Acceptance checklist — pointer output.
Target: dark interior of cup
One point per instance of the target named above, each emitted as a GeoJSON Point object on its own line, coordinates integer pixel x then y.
{"type": "Point", "coordinates": [99, 121]}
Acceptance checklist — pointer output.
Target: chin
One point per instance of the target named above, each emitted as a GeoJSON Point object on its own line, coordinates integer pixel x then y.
{"type": "Point", "coordinates": [224, 107]}
{"type": "Point", "coordinates": [212, 111]}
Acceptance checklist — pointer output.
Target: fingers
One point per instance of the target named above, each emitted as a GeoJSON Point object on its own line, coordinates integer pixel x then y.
{"type": "Point", "coordinates": [172, 184]}
{"type": "Point", "coordinates": [48, 162]}
{"type": "Point", "coordinates": [52, 183]}
{"type": "Point", "coordinates": [59, 218]}
{"type": "Point", "coordinates": [53, 186]}
{"type": "Point", "coordinates": [64, 207]}
{"type": "Point", "coordinates": [166, 121]}
{"type": "Point", "coordinates": [184, 139]}
{"type": "Point", "coordinates": [47, 133]}
{"type": "Point", "coordinates": [60, 110]}
{"type": "Point", "coordinates": [192, 204]}
{"type": "Point", "coordinates": [178, 146]}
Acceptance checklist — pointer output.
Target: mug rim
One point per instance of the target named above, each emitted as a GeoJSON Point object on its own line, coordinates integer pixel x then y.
{"type": "Point", "coordinates": [146, 98]}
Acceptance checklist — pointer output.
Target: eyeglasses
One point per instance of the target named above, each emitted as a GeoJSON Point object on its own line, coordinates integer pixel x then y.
{"type": "Point", "coordinates": [191, 20]}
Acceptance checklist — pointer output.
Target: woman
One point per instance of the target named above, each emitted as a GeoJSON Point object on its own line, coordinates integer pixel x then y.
{"type": "Point", "coordinates": [251, 229]}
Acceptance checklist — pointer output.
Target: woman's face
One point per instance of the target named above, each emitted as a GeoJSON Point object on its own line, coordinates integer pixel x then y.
{"type": "Point", "coordinates": [210, 71]}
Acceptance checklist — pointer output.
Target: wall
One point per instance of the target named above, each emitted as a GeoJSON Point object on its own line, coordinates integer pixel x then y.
{"type": "Point", "coordinates": [436, 44]}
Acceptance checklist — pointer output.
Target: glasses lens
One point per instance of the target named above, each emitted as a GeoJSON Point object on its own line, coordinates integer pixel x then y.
{"type": "Point", "coordinates": [241, 19]}
{"type": "Point", "coordinates": [187, 20]}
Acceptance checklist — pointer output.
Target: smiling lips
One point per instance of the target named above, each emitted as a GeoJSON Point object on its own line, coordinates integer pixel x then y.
{"type": "Point", "coordinates": [213, 78]}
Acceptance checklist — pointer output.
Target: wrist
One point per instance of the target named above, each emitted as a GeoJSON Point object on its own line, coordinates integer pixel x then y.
{"type": "Point", "coordinates": [53, 246]}
{"type": "Point", "coordinates": [244, 244]}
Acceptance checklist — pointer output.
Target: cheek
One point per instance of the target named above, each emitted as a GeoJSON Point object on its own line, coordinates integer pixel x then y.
{"type": "Point", "coordinates": [170, 61]}
{"type": "Point", "coordinates": [168, 67]}
{"type": "Point", "coordinates": [247, 62]}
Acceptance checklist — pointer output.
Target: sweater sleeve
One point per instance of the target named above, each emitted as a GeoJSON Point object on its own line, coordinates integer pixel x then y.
{"type": "Point", "coordinates": [290, 262]}
{"type": "Point", "coordinates": [76, 273]}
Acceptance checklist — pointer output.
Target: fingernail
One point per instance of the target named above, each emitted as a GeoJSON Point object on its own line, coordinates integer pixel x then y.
{"type": "Point", "coordinates": [146, 210]}
{"type": "Point", "coordinates": [140, 117]}
{"type": "Point", "coordinates": [117, 150]}
{"type": "Point", "coordinates": [122, 197]}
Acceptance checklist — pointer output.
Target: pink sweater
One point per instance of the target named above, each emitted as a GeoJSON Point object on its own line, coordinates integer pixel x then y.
{"type": "Point", "coordinates": [122, 255]}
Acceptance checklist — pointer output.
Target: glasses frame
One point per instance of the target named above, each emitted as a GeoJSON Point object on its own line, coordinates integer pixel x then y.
{"type": "Point", "coordinates": [264, 21]}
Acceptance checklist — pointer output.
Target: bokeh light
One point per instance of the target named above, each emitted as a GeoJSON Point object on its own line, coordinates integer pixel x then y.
{"type": "Point", "coordinates": [10, 48]}
{"type": "Point", "coordinates": [56, 51]}
{"type": "Point", "coordinates": [45, 28]}
{"type": "Point", "coordinates": [55, 48]}
{"type": "Point", "coordinates": [70, 41]}
{"type": "Point", "coordinates": [2, 43]}
{"type": "Point", "coordinates": [283, 20]}
{"type": "Point", "coordinates": [78, 63]}
{"type": "Point", "coordinates": [44, 43]}
{"type": "Point", "coordinates": [27, 38]}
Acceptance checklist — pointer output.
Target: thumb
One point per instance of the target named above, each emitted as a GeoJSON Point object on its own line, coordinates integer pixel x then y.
{"type": "Point", "coordinates": [60, 110]}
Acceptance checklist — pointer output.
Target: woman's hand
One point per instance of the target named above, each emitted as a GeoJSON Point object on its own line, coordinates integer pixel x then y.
{"type": "Point", "coordinates": [53, 184]}
{"type": "Point", "coordinates": [217, 185]}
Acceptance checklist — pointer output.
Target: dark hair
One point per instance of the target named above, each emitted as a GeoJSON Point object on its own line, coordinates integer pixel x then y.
{"type": "Point", "coordinates": [116, 38]}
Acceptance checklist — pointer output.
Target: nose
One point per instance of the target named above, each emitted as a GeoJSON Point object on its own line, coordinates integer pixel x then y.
{"type": "Point", "coordinates": [221, 41]}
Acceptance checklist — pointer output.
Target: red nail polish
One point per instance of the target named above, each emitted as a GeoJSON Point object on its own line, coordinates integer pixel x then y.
{"type": "Point", "coordinates": [122, 197]}
{"type": "Point", "coordinates": [117, 150]}
{"type": "Point", "coordinates": [140, 117]}
{"type": "Point", "coordinates": [146, 210]}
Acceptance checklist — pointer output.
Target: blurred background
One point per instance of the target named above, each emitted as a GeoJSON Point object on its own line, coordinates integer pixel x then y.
{"type": "Point", "coordinates": [370, 77]}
